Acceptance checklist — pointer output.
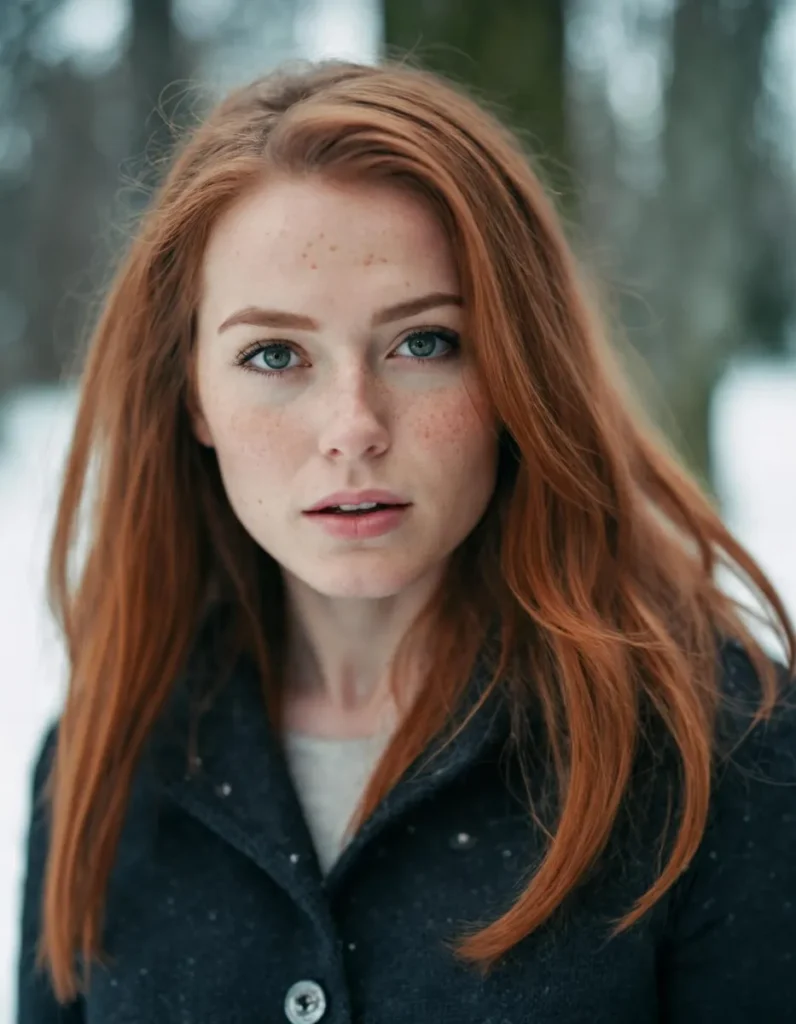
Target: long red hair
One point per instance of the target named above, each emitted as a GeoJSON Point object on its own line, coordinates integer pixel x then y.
{"type": "Point", "coordinates": [597, 553]}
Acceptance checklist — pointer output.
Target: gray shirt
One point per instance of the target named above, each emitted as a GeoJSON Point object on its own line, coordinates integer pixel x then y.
{"type": "Point", "coordinates": [330, 776]}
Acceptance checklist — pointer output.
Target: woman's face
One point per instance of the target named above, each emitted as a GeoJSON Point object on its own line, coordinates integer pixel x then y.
{"type": "Point", "coordinates": [348, 295]}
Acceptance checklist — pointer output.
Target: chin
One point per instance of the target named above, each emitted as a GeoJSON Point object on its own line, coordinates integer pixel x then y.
{"type": "Point", "coordinates": [364, 584]}
{"type": "Point", "coordinates": [368, 590]}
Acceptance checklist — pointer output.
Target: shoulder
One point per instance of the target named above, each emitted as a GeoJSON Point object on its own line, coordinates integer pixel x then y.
{"type": "Point", "coordinates": [766, 748]}
{"type": "Point", "coordinates": [38, 823]}
{"type": "Point", "coordinates": [43, 758]}
{"type": "Point", "coordinates": [45, 751]}
{"type": "Point", "coordinates": [728, 945]}
{"type": "Point", "coordinates": [750, 831]}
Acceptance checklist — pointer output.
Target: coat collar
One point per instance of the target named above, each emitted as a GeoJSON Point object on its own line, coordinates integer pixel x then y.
{"type": "Point", "coordinates": [242, 790]}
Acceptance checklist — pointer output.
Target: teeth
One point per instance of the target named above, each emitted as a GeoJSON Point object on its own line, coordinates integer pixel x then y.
{"type": "Point", "coordinates": [353, 508]}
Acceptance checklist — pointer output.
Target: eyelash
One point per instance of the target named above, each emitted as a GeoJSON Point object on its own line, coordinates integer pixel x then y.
{"type": "Point", "coordinates": [244, 358]}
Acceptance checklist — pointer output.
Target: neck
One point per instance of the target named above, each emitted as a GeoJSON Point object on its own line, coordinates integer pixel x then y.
{"type": "Point", "coordinates": [340, 651]}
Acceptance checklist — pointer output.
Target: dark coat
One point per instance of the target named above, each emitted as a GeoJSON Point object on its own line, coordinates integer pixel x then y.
{"type": "Point", "coordinates": [216, 905]}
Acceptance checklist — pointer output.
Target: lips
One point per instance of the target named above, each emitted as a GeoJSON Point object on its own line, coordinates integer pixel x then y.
{"type": "Point", "coordinates": [335, 510]}
{"type": "Point", "coordinates": [357, 527]}
{"type": "Point", "coordinates": [380, 497]}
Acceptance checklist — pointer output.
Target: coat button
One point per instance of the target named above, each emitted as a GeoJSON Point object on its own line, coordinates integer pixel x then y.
{"type": "Point", "coordinates": [305, 1003]}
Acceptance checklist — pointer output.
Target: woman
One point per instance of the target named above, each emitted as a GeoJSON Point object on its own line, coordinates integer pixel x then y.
{"type": "Point", "coordinates": [400, 683]}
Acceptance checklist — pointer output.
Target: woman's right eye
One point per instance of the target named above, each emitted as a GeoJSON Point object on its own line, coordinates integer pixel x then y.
{"type": "Point", "coordinates": [276, 356]}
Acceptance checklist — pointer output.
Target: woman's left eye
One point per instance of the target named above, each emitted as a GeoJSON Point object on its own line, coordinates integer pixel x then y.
{"type": "Point", "coordinates": [425, 341]}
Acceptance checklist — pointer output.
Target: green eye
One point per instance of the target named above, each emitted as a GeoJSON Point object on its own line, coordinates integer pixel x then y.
{"type": "Point", "coordinates": [276, 351]}
{"type": "Point", "coordinates": [280, 353]}
{"type": "Point", "coordinates": [424, 343]}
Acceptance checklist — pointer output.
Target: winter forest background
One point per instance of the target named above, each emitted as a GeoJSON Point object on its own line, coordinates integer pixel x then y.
{"type": "Point", "coordinates": [665, 128]}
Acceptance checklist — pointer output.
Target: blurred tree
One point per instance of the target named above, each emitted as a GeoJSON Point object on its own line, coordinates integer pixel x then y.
{"type": "Point", "coordinates": [18, 117]}
{"type": "Point", "coordinates": [511, 53]}
{"type": "Point", "coordinates": [66, 189]}
{"type": "Point", "coordinates": [84, 141]}
{"type": "Point", "coordinates": [698, 246]}
{"type": "Point", "coordinates": [86, 124]}
{"type": "Point", "coordinates": [158, 57]}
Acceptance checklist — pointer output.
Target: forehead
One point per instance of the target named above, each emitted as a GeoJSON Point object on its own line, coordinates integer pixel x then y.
{"type": "Point", "coordinates": [288, 235]}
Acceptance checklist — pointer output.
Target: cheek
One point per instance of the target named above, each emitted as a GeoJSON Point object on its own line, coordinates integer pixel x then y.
{"type": "Point", "coordinates": [258, 442]}
{"type": "Point", "coordinates": [453, 426]}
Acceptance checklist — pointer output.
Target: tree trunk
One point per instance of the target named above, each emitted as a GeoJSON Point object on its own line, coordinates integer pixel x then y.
{"type": "Point", "coordinates": [95, 126]}
{"type": "Point", "coordinates": [157, 67]}
{"type": "Point", "coordinates": [510, 53]}
{"type": "Point", "coordinates": [67, 189]}
{"type": "Point", "coordinates": [690, 254]}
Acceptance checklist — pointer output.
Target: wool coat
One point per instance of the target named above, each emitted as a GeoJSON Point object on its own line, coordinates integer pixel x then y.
{"type": "Point", "coordinates": [217, 912]}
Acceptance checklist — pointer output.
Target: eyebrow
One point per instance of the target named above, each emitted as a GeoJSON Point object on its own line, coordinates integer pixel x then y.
{"type": "Point", "coordinates": [280, 318]}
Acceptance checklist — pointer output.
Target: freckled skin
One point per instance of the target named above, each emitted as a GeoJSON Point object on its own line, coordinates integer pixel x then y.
{"type": "Point", "coordinates": [357, 410]}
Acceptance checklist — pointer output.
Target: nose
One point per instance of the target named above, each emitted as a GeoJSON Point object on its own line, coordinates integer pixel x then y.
{"type": "Point", "coordinates": [355, 420]}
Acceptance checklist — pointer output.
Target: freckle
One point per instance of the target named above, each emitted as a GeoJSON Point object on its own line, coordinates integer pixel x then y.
{"type": "Point", "coordinates": [332, 248]}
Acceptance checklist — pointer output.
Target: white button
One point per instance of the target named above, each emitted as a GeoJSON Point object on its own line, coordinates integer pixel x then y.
{"type": "Point", "coordinates": [305, 1003]}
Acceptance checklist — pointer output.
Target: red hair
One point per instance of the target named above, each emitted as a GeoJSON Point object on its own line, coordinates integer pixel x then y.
{"type": "Point", "coordinates": [597, 553]}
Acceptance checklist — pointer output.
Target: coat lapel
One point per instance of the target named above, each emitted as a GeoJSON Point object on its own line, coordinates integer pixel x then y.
{"type": "Point", "coordinates": [482, 735]}
{"type": "Point", "coordinates": [241, 788]}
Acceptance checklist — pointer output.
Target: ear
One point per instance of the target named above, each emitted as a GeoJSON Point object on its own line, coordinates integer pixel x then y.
{"type": "Point", "coordinates": [199, 426]}
{"type": "Point", "coordinates": [201, 430]}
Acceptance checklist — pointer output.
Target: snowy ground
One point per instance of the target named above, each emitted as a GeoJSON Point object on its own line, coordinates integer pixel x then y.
{"type": "Point", "coordinates": [755, 436]}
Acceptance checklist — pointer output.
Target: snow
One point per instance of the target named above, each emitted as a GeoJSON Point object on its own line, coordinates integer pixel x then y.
{"type": "Point", "coordinates": [755, 444]}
